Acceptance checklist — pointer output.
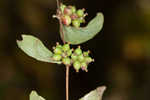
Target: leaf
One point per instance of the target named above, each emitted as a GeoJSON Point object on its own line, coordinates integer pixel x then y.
{"type": "Point", "coordinates": [80, 35]}
{"type": "Point", "coordinates": [95, 94]}
{"type": "Point", "coordinates": [33, 47]}
{"type": "Point", "coordinates": [35, 96]}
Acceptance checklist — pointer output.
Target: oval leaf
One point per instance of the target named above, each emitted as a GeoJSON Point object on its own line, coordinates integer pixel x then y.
{"type": "Point", "coordinates": [35, 96]}
{"type": "Point", "coordinates": [80, 35]}
{"type": "Point", "coordinates": [33, 47]}
{"type": "Point", "coordinates": [95, 94]}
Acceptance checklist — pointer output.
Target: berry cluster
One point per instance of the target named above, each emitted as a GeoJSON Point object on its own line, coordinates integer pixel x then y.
{"type": "Point", "coordinates": [68, 57]}
{"type": "Point", "coordinates": [69, 15]}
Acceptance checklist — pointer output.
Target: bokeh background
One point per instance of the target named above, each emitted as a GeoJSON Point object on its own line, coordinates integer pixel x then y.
{"type": "Point", "coordinates": [121, 51]}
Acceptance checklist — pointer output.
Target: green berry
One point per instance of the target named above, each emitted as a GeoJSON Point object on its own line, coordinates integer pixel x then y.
{"type": "Point", "coordinates": [78, 51]}
{"type": "Point", "coordinates": [77, 66]}
{"type": "Point", "coordinates": [66, 47]}
{"type": "Point", "coordinates": [88, 59]}
{"type": "Point", "coordinates": [76, 23]}
{"type": "Point", "coordinates": [81, 20]}
{"type": "Point", "coordinates": [84, 66]}
{"type": "Point", "coordinates": [86, 53]}
{"type": "Point", "coordinates": [66, 20]}
{"type": "Point", "coordinates": [80, 12]}
{"type": "Point", "coordinates": [81, 57]}
{"type": "Point", "coordinates": [74, 57]}
{"type": "Point", "coordinates": [69, 52]}
{"type": "Point", "coordinates": [73, 8]}
{"type": "Point", "coordinates": [58, 50]}
{"type": "Point", "coordinates": [57, 57]}
{"type": "Point", "coordinates": [62, 7]}
{"type": "Point", "coordinates": [66, 61]}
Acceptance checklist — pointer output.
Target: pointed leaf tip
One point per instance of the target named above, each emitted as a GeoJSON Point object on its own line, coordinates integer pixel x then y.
{"type": "Point", "coordinates": [33, 47]}
{"type": "Point", "coordinates": [35, 96]}
{"type": "Point", "coordinates": [80, 35]}
{"type": "Point", "coordinates": [95, 94]}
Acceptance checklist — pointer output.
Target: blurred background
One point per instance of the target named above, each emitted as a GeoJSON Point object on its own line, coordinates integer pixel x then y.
{"type": "Point", "coordinates": [121, 50]}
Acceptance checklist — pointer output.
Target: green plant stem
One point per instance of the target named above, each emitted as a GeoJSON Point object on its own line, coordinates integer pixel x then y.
{"type": "Point", "coordinates": [67, 82]}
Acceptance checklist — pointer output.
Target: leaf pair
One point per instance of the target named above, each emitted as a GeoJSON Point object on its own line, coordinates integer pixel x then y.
{"type": "Point", "coordinates": [33, 47]}
{"type": "Point", "coordinates": [93, 95]}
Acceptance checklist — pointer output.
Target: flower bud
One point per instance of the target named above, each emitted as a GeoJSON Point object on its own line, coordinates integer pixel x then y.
{"type": "Point", "coordinates": [74, 57]}
{"type": "Point", "coordinates": [66, 61]}
{"type": "Point", "coordinates": [84, 66]}
{"type": "Point", "coordinates": [56, 57]}
{"type": "Point", "coordinates": [74, 16]}
{"type": "Point", "coordinates": [66, 47]}
{"type": "Point", "coordinates": [76, 23]}
{"type": "Point", "coordinates": [77, 66]}
{"type": "Point", "coordinates": [81, 57]}
{"type": "Point", "coordinates": [58, 50]}
{"type": "Point", "coordinates": [78, 51]}
{"type": "Point", "coordinates": [80, 12]}
{"type": "Point", "coordinates": [66, 20]}
{"type": "Point", "coordinates": [67, 11]}
{"type": "Point", "coordinates": [88, 59]}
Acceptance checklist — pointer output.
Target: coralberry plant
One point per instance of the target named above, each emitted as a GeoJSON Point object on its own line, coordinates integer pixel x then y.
{"type": "Point", "coordinates": [70, 19]}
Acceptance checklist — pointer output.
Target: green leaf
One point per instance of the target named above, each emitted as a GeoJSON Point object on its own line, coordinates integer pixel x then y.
{"type": "Point", "coordinates": [80, 35]}
{"type": "Point", "coordinates": [95, 94]}
{"type": "Point", "coordinates": [33, 47]}
{"type": "Point", "coordinates": [35, 96]}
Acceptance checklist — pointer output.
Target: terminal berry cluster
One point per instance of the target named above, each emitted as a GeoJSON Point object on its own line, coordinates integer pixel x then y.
{"type": "Point", "coordinates": [72, 57]}
{"type": "Point", "coordinates": [70, 15]}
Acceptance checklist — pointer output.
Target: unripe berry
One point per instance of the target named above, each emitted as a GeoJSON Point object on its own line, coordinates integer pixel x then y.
{"type": "Point", "coordinates": [76, 23]}
{"type": "Point", "coordinates": [74, 57]}
{"type": "Point", "coordinates": [77, 66]}
{"type": "Point", "coordinates": [84, 66]}
{"type": "Point", "coordinates": [74, 16]}
{"type": "Point", "coordinates": [78, 51]}
{"type": "Point", "coordinates": [66, 47]}
{"type": "Point", "coordinates": [57, 57]}
{"type": "Point", "coordinates": [67, 11]}
{"type": "Point", "coordinates": [81, 20]}
{"type": "Point", "coordinates": [81, 57]}
{"type": "Point", "coordinates": [62, 7]}
{"type": "Point", "coordinates": [69, 52]}
{"type": "Point", "coordinates": [86, 53]}
{"type": "Point", "coordinates": [66, 20]}
{"type": "Point", "coordinates": [66, 61]}
{"type": "Point", "coordinates": [73, 8]}
{"type": "Point", "coordinates": [58, 50]}
{"type": "Point", "coordinates": [88, 59]}
{"type": "Point", "coordinates": [80, 12]}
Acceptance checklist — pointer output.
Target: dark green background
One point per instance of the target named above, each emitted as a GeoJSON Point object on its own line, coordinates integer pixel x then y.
{"type": "Point", "coordinates": [121, 51]}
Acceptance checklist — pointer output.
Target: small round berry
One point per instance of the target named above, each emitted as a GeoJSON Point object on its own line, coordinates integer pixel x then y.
{"type": "Point", "coordinates": [58, 50]}
{"type": "Point", "coordinates": [77, 66]}
{"type": "Point", "coordinates": [73, 8]}
{"type": "Point", "coordinates": [69, 52]}
{"type": "Point", "coordinates": [81, 20]}
{"type": "Point", "coordinates": [88, 59]}
{"type": "Point", "coordinates": [62, 7]}
{"type": "Point", "coordinates": [84, 66]}
{"type": "Point", "coordinates": [80, 12]}
{"type": "Point", "coordinates": [74, 16]}
{"type": "Point", "coordinates": [81, 57]}
{"type": "Point", "coordinates": [66, 47]}
{"type": "Point", "coordinates": [67, 11]}
{"type": "Point", "coordinates": [66, 61]}
{"type": "Point", "coordinates": [74, 57]}
{"type": "Point", "coordinates": [76, 23]}
{"type": "Point", "coordinates": [57, 57]}
{"type": "Point", "coordinates": [86, 53]}
{"type": "Point", "coordinates": [66, 20]}
{"type": "Point", "coordinates": [78, 51]}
